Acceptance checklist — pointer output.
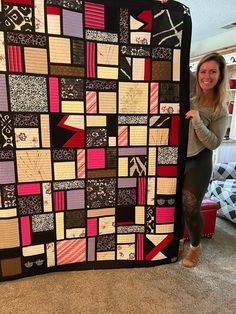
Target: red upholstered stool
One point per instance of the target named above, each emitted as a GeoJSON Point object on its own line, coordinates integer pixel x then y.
{"type": "Point", "coordinates": [208, 210]}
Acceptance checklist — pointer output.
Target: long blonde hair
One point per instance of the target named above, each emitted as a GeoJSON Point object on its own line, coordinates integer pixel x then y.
{"type": "Point", "coordinates": [221, 88]}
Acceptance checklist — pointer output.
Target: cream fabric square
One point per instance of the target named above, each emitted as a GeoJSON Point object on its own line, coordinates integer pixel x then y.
{"type": "Point", "coordinates": [8, 213]}
{"type": "Point", "coordinates": [45, 130]}
{"type": "Point", "coordinates": [176, 64]}
{"type": "Point", "coordinates": [59, 49]}
{"type": "Point", "coordinates": [125, 251]}
{"type": "Point", "coordinates": [142, 38]}
{"type": "Point", "coordinates": [54, 24]}
{"type": "Point", "coordinates": [106, 256]}
{"type": "Point", "coordinates": [98, 121]}
{"type": "Point", "coordinates": [107, 73]}
{"type": "Point", "coordinates": [75, 233]}
{"type": "Point", "coordinates": [60, 230]}
{"type": "Point", "coordinates": [47, 197]}
{"type": "Point", "coordinates": [107, 102]}
{"type": "Point", "coordinates": [107, 54]}
{"type": "Point", "coordinates": [33, 250]}
{"type": "Point", "coordinates": [152, 156]}
{"type": "Point", "coordinates": [158, 137]}
{"type": "Point", "coordinates": [27, 137]}
{"type": "Point", "coordinates": [169, 108]}
{"type": "Point", "coordinates": [39, 16]}
{"type": "Point", "coordinates": [151, 191]}
{"type": "Point", "coordinates": [73, 106]}
{"type": "Point", "coordinates": [138, 69]}
{"type": "Point", "coordinates": [165, 228]}
{"type": "Point", "coordinates": [166, 186]}
{"type": "Point", "coordinates": [133, 98]}
{"type": "Point", "coordinates": [50, 251]}
{"type": "Point", "coordinates": [101, 212]}
{"type": "Point", "coordinates": [34, 165]}
{"type": "Point", "coordinates": [138, 135]}
{"type": "Point", "coordinates": [64, 170]}
{"type": "Point", "coordinates": [107, 225]}
{"type": "Point", "coordinates": [126, 238]}
{"type": "Point", "coordinates": [123, 168]}
{"type": "Point", "coordinates": [111, 141]}
{"type": "Point", "coordinates": [140, 215]}
{"type": "Point", "coordinates": [2, 53]}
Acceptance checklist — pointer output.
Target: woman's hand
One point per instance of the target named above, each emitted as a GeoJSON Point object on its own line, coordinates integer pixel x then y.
{"type": "Point", "coordinates": [192, 114]}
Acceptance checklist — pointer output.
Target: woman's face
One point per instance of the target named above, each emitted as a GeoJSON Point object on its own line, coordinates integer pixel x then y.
{"type": "Point", "coordinates": [208, 75]}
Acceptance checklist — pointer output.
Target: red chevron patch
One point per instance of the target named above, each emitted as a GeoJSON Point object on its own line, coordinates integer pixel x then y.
{"type": "Point", "coordinates": [146, 16]}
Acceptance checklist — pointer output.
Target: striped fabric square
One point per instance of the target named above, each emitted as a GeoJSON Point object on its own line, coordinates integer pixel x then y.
{"type": "Point", "coordinates": [71, 251]}
{"type": "Point", "coordinates": [94, 15]}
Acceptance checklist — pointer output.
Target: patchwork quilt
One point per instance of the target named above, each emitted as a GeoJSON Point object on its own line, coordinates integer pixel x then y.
{"type": "Point", "coordinates": [93, 95]}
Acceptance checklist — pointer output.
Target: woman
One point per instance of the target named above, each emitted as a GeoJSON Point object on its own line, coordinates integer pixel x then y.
{"type": "Point", "coordinates": [207, 126]}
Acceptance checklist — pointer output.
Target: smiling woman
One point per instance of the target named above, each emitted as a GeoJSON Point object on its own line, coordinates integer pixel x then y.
{"type": "Point", "coordinates": [207, 126]}
{"type": "Point", "coordinates": [208, 121]}
{"type": "Point", "coordinates": [209, 75]}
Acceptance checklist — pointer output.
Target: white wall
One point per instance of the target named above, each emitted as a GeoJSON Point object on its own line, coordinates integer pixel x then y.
{"type": "Point", "coordinates": [220, 41]}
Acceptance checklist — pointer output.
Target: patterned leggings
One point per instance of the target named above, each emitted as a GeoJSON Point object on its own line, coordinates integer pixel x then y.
{"type": "Point", "coordinates": [197, 175]}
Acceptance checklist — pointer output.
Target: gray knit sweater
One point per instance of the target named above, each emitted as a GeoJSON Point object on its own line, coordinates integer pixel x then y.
{"type": "Point", "coordinates": [208, 130]}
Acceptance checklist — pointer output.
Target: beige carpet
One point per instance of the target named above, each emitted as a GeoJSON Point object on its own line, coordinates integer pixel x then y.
{"type": "Point", "coordinates": [209, 288]}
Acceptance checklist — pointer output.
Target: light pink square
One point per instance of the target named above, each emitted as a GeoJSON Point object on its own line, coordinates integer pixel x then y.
{"type": "Point", "coordinates": [96, 158]}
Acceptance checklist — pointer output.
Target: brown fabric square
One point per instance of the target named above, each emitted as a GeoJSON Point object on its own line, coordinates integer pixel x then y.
{"type": "Point", "coordinates": [161, 70]}
{"type": "Point", "coordinates": [11, 266]}
{"type": "Point", "coordinates": [75, 219]}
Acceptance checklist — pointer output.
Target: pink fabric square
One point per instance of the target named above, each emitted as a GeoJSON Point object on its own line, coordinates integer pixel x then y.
{"type": "Point", "coordinates": [165, 214]}
{"type": "Point", "coordinates": [92, 227]}
{"type": "Point", "coordinates": [94, 15]}
{"type": "Point", "coordinates": [25, 230]}
{"type": "Point", "coordinates": [59, 200]}
{"type": "Point", "coordinates": [71, 251]}
{"type": "Point", "coordinates": [15, 58]}
{"type": "Point", "coordinates": [54, 94]}
{"type": "Point", "coordinates": [96, 158]}
{"type": "Point", "coordinates": [28, 189]}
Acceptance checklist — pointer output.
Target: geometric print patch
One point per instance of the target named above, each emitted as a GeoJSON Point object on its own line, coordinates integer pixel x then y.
{"type": "Point", "coordinates": [224, 193]}
{"type": "Point", "coordinates": [224, 171]}
{"type": "Point", "coordinates": [92, 134]}
{"type": "Point", "coordinates": [222, 189]}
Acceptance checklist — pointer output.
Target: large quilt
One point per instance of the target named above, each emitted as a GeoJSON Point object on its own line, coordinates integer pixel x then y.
{"type": "Point", "coordinates": [92, 133]}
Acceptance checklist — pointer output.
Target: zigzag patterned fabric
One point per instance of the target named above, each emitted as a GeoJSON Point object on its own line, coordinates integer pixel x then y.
{"type": "Point", "coordinates": [92, 133]}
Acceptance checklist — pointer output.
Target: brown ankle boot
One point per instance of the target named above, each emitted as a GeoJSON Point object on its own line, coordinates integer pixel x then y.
{"type": "Point", "coordinates": [191, 259]}
{"type": "Point", "coordinates": [181, 249]}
